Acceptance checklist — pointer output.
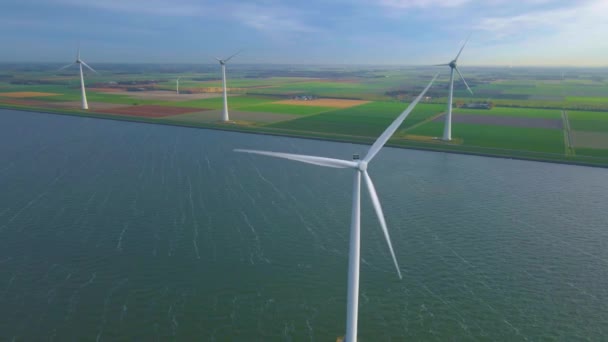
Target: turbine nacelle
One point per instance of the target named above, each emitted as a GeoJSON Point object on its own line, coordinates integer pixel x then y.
{"type": "Point", "coordinates": [452, 64]}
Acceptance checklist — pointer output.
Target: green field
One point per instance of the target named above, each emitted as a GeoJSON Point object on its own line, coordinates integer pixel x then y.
{"type": "Point", "coordinates": [369, 119]}
{"type": "Point", "coordinates": [593, 152]}
{"type": "Point", "coordinates": [218, 102]}
{"type": "Point", "coordinates": [500, 137]}
{"type": "Point", "coordinates": [286, 109]}
{"type": "Point", "coordinates": [516, 112]}
{"type": "Point", "coordinates": [588, 121]}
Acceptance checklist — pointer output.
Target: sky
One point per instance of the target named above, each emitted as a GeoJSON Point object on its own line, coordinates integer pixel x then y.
{"type": "Point", "coordinates": [372, 32]}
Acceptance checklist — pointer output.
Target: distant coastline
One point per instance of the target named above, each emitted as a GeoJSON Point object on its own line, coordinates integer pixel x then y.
{"type": "Point", "coordinates": [406, 144]}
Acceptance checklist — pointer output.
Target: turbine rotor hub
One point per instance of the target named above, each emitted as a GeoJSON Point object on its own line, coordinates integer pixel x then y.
{"type": "Point", "coordinates": [362, 166]}
{"type": "Point", "coordinates": [452, 64]}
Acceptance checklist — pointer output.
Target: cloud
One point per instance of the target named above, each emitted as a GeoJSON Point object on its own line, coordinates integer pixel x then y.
{"type": "Point", "coordinates": [406, 4]}
{"type": "Point", "coordinates": [274, 20]}
{"type": "Point", "coordinates": [588, 16]}
{"type": "Point", "coordinates": [269, 18]}
{"type": "Point", "coordinates": [156, 7]}
{"type": "Point", "coordinates": [572, 34]}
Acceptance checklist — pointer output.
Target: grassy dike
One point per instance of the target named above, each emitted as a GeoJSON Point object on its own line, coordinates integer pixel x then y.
{"type": "Point", "coordinates": [409, 144]}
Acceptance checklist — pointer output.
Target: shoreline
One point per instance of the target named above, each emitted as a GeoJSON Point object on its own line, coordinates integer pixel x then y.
{"type": "Point", "coordinates": [405, 144]}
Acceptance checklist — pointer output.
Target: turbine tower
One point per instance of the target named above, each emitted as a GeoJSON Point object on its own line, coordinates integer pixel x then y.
{"type": "Point", "coordinates": [177, 86]}
{"type": "Point", "coordinates": [223, 62]}
{"type": "Point", "coordinates": [447, 129]}
{"type": "Point", "coordinates": [360, 167]}
{"type": "Point", "coordinates": [80, 63]}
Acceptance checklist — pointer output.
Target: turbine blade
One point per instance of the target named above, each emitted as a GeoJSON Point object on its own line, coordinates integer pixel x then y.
{"type": "Point", "coordinates": [78, 52]}
{"type": "Point", "coordinates": [219, 60]}
{"type": "Point", "coordinates": [229, 58]}
{"type": "Point", "coordinates": [462, 48]}
{"type": "Point", "coordinates": [465, 82]}
{"type": "Point", "coordinates": [321, 161]}
{"type": "Point", "coordinates": [65, 67]}
{"type": "Point", "coordinates": [86, 65]}
{"type": "Point", "coordinates": [446, 64]}
{"type": "Point", "coordinates": [376, 202]}
{"type": "Point", "coordinates": [382, 139]}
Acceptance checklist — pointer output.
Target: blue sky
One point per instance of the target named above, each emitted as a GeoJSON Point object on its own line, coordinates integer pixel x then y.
{"type": "Point", "coordinates": [397, 32]}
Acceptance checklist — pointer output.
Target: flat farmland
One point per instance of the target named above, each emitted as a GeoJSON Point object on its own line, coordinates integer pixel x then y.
{"type": "Point", "coordinates": [587, 99]}
{"type": "Point", "coordinates": [595, 140]}
{"type": "Point", "coordinates": [369, 119]}
{"type": "Point", "coordinates": [26, 94]}
{"type": "Point", "coordinates": [286, 109]}
{"type": "Point", "coordinates": [592, 152]}
{"type": "Point", "coordinates": [498, 120]}
{"type": "Point", "coordinates": [150, 111]}
{"type": "Point", "coordinates": [352, 102]}
{"type": "Point", "coordinates": [246, 82]}
{"type": "Point", "coordinates": [239, 116]}
{"type": "Point", "coordinates": [588, 121]}
{"type": "Point", "coordinates": [218, 102]}
{"type": "Point", "coordinates": [500, 137]}
{"type": "Point", "coordinates": [324, 89]}
{"type": "Point", "coordinates": [333, 103]}
{"type": "Point", "coordinates": [517, 112]}
{"type": "Point", "coordinates": [159, 95]}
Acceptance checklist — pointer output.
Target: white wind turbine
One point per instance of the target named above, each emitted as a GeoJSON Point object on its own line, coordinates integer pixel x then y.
{"type": "Point", "coordinates": [360, 167]}
{"type": "Point", "coordinates": [177, 86]}
{"type": "Point", "coordinates": [447, 129]}
{"type": "Point", "coordinates": [223, 65]}
{"type": "Point", "coordinates": [80, 63]}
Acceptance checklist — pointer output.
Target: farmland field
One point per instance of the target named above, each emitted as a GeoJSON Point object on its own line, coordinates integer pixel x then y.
{"type": "Point", "coordinates": [287, 109]}
{"type": "Point", "coordinates": [150, 111]}
{"type": "Point", "coordinates": [350, 103]}
{"type": "Point", "coordinates": [365, 120]}
{"type": "Point", "coordinates": [217, 102]}
{"type": "Point", "coordinates": [22, 94]}
{"type": "Point", "coordinates": [589, 121]}
{"type": "Point", "coordinates": [334, 103]}
{"type": "Point", "coordinates": [500, 137]}
{"type": "Point", "coordinates": [519, 112]}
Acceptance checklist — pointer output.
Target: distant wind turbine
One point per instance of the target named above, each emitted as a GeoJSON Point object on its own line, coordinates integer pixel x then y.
{"type": "Point", "coordinates": [360, 167]}
{"type": "Point", "coordinates": [177, 86]}
{"type": "Point", "coordinates": [80, 63]}
{"type": "Point", "coordinates": [223, 65]}
{"type": "Point", "coordinates": [447, 129]}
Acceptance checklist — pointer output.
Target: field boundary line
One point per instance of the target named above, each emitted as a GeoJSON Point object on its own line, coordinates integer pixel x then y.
{"type": "Point", "coordinates": [567, 135]}
{"type": "Point", "coordinates": [425, 121]}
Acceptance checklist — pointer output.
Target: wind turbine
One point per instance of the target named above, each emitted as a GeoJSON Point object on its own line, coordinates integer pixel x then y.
{"type": "Point", "coordinates": [360, 167]}
{"type": "Point", "coordinates": [80, 63]}
{"type": "Point", "coordinates": [177, 86]}
{"type": "Point", "coordinates": [223, 65]}
{"type": "Point", "coordinates": [447, 129]}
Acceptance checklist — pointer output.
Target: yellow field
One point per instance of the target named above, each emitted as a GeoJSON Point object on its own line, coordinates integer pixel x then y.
{"type": "Point", "coordinates": [24, 94]}
{"type": "Point", "coordinates": [335, 103]}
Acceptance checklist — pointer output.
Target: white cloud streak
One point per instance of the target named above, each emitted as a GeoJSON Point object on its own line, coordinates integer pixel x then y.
{"type": "Point", "coordinates": [271, 19]}
{"type": "Point", "coordinates": [407, 4]}
{"type": "Point", "coordinates": [154, 7]}
{"type": "Point", "coordinates": [576, 15]}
